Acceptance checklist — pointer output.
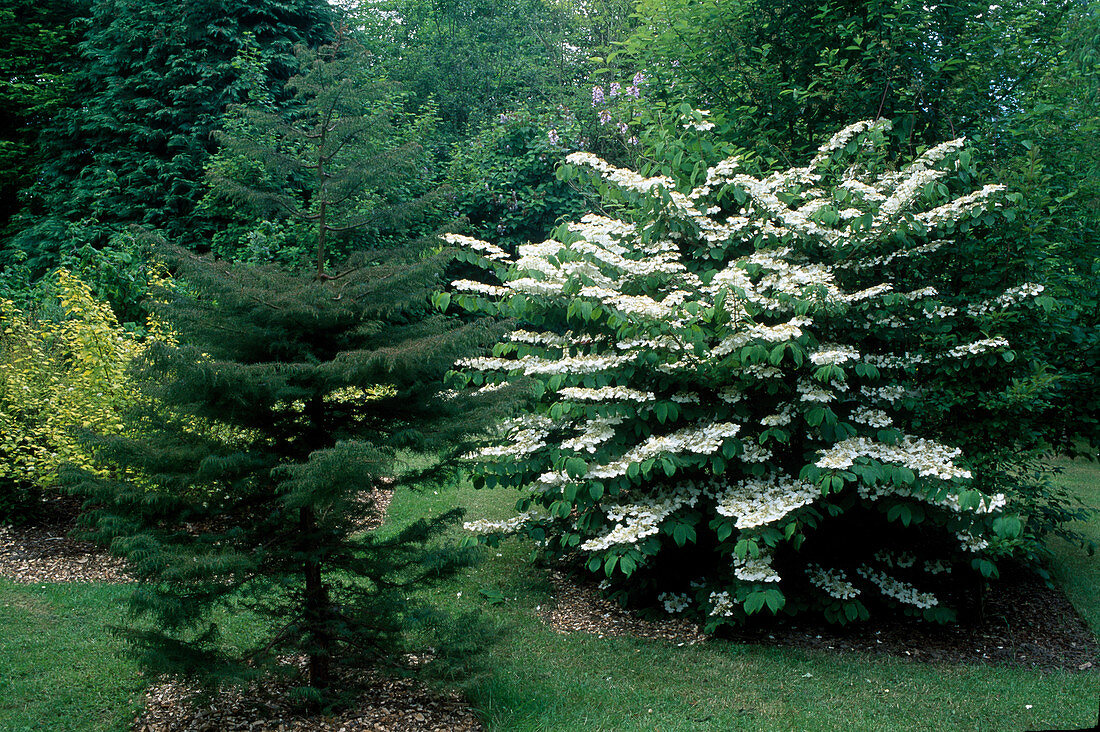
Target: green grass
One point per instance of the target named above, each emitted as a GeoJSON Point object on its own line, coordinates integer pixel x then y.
{"type": "Point", "coordinates": [61, 670]}
{"type": "Point", "coordinates": [59, 667]}
{"type": "Point", "coordinates": [545, 681]}
{"type": "Point", "coordinates": [1077, 573]}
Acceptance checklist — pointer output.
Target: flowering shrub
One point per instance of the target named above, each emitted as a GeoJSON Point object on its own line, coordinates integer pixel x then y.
{"type": "Point", "coordinates": [729, 383]}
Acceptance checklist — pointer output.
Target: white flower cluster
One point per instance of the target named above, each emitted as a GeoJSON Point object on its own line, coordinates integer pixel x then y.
{"type": "Point", "coordinates": [832, 582]}
{"type": "Point", "coordinates": [871, 417]}
{"type": "Point", "coordinates": [779, 419]}
{"type": "Point", "coordinates": [754, 453]}
{"type": "Point", "coordinates": [548, 340]}
{"type": "Point", "coordinates": [721, 604]}
{"type": "Point", "coordinates": [484, 248]}
{"type": "Point", "coordinates": [1008, 298]}
{"type": "Point", "coordinates": [506, 526]}
{"type": "Point", "coordinates": [700, 439]}
{"type": "Point", "coordinates": [606, 394]}
{"type": "Point", "coordinates": [976, 347]}
{"type": "Point", "coordinates": [971, 543]}
{"type": "Point", "coordinates": [901, 591]}
{"type": "Point", "coordinates": [479, 288]}
{"type": "Point", "coordinates": [893, 393]}
{"type": "Point", "coordinates": [835, 355]}
{"type": "Point", "coordinates": [637, 521]}
{"type": "Point", "coordinates": [619, 176]}
{"type": "Point", "coordinates": [759, 501]}
{"type": "Point", "coordinates": [595, 433]}
{"type": "Point", "coordinates": [674, 602]}
{"type": "Point", "coordinates": [755, 569]}
{"type": "Point", "coordinates": [808, 391]}
{"type": "Point", "coordinates": [927, 458]}
{"type": "Point", "coordinates": [972, 202]}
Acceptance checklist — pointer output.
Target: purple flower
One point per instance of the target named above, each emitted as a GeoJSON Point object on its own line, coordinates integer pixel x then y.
{"type": "Point", "coordinates": [615, 87]}
{"type": "Point", "coordinates": [633, 91]}
{"type": "Point", "coordinates": [552, 135]}
{"type": "Point", "coordinates": [639, 79]}
{"type": "Point", "coordinates": [597, 95]}
{"type": "Point", "coordinates": [623, 128]}
{"type": "Point", "coordinates": [633, 140]}
{"type": "Point", "coordinates": [605, 117]}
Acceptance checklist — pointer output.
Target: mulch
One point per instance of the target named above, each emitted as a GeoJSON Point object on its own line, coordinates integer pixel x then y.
{"type": "Point", "coordinates": [381, 705]}
{"type": "Point", "coordinates": [1022, 622]}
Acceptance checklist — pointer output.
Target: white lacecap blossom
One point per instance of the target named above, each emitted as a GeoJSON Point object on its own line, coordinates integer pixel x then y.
{"type": "Point", "coordinates": [637, 521]}
{"type": "Point", "coordinates": [703, 439]}
{"type": "Point", "coordinates": [971, 543]}
{"type": "Point", "coordinates": [760, 501]}
{"type": "Point", "coordinates": [1008, 298]}
{"type": "Point", "coordinates": [721, 604]}
{"type": "Point", "coordinates": [479, 288]}
{"type": "Point", "coordinates": [594, 433]}
{"type": "Point", "coordinates": [484, 248]}
{"type": "Point", "coordinates": [901, 591]}
{"type": "Point", "coordinates": [755, 569]}
{"type": "Point", "coordinates": [832, 582]}
{"type": "Point", "coordinates": [505, 526]}
{"type": "Point", "coordinates": [754, 453]}
{"type": "Point", "coordinates": [606, 394]}
{"type": "Point", "coordinates": [674, 602]}
{"type": "Point", "coordinates": [871, 417]}
{"type": "Point", "coordinates": [975, 347]}
{"type": "Point", "coordinates": [835, 355]}
{"type": "Point", "coordinates": [927, 458]}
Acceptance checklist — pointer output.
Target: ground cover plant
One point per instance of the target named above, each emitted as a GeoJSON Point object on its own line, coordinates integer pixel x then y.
{"type": "Point", "coordinates": [764, 377]}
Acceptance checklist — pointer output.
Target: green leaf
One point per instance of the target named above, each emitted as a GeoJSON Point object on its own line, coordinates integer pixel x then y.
{"type": "Point", "coordinates": [576, 468]}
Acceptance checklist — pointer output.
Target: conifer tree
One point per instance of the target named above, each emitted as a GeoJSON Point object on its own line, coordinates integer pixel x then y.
{"type": "Point", "coordinates": [263, 438]}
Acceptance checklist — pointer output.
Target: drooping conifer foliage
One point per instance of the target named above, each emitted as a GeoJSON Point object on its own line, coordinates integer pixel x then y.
{"type": "Point", "coordinates": [264, 434]}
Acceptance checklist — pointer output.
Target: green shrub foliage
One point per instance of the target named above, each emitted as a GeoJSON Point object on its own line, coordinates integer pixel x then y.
{"type": "Point", "coordinates": [751, 390]}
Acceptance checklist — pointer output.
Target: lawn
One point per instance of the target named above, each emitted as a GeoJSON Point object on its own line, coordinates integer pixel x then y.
{"type": "Point", "coordinates": [60, 669]}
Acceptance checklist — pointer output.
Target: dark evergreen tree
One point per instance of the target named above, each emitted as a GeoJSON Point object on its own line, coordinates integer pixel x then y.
{"type": "Point", "coordinates": [38, 58]}
{"type": "Point", "coordinates": [270, 427]}
{"type": "Point", "coordinates": [155, 80]}
{"type": "Point", "coordinates": [266, 431]}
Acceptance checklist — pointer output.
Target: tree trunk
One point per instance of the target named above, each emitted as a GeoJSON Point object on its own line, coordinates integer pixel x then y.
{"type": "Point", "coordinates": [317, 611]}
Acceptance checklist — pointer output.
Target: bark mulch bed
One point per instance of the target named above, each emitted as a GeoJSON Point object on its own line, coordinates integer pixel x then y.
{"type": "Point", "coordinates": [45, 552]}
{"type": "Point", "coordinates": [1023, 623]}
{"type": "Point", "coordinates": [382, 705]}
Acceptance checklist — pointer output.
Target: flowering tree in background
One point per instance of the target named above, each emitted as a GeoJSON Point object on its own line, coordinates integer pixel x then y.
{"type": "Point", "coordinates": [733, 384]}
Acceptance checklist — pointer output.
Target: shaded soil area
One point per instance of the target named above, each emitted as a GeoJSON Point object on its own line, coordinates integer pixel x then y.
{"type": "Point", "coordinates": [1020, 621]}
{"type": "Point", "coordinates": [381, 705]}
{"type": "Point", "coordinates": [45, 551]}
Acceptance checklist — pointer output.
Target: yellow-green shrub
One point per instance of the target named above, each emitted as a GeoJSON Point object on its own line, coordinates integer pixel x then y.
{"type": "Point", "coordinates": [58, 375]}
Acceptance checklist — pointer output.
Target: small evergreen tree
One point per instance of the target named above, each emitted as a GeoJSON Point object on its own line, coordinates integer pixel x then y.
{"type": "Point", "coordinates": [264, 434]}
